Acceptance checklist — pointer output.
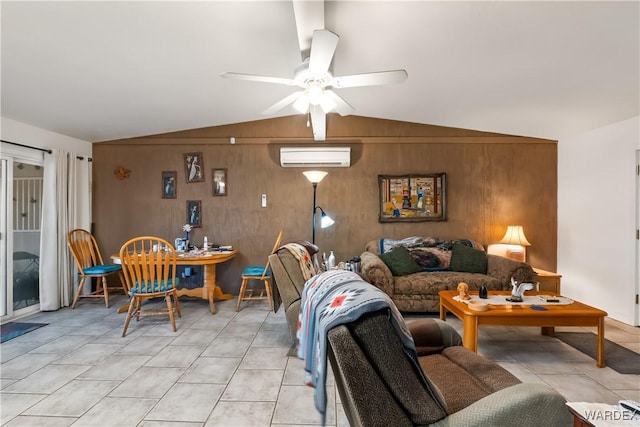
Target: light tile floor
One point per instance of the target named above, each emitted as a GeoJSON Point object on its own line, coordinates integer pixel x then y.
{"type": "Point", "coordinates": [229, 369]}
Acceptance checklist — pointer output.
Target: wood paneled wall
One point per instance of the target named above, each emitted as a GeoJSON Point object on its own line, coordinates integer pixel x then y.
{"type": "Point", "coordinates": [493, 180]}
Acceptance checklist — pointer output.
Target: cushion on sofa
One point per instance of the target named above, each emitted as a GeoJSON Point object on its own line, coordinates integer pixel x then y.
{"type": "Point", "coordinates": [468, 260]}
{"type": "Point", "coordinates": [400, 261]}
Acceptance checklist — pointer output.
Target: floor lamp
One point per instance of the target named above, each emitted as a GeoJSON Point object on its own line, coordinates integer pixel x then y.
{"type": "Point", "coordinates": [325, 220]}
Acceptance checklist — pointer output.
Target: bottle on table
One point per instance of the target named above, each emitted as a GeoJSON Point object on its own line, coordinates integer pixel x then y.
{"type": "Point", "coordinates": [483, 292]}
{"type": "Point", "coordinates": [332, 261]}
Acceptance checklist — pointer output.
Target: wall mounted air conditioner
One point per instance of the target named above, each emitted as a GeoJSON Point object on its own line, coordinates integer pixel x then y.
{"type": "Point", "coordinates": [304, 157]}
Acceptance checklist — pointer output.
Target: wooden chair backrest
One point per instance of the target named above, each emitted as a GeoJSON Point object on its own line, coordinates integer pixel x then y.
{"type": "Point", "coordinates": [143, 267]}
{"type": "Point", "coordinates": [275, 246]}
{"type": "Point", "coordinates": [84, 248]}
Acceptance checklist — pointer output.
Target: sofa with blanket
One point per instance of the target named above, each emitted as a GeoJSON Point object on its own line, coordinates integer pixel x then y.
{"type": "Point", "coordinates": [413, 270]}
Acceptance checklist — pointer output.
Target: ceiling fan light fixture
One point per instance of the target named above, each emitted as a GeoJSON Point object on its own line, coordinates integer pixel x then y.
{"type": "Point", "coordinates": [327, 104]}
{"type": "Point", "coordinates": [314, 93]}
{"type": "Point", "coordinates": [302, 104]}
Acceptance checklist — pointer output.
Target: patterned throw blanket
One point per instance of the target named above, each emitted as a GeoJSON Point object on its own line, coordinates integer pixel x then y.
{"type": "Point", "coordinates": [304, 259]}
{"type": "Point", "coordinates": [333, 298]}
{"type": "Point", "coordinates": [430, 253]}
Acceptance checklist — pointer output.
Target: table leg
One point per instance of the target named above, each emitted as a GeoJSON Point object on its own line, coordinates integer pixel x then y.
{"type": "Point", "coordinates": [600, 354]}
{"type": "Point", "coordinates": [549, 331]}
{"type": "Point", "coordinates": [443, 312]}
{"type": "Point", "coordinates": [470, 332]}
{"type": "Point", "coordinates": [213, 290]}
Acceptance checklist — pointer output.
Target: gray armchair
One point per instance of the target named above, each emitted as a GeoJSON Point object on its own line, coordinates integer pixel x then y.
{"type": "Point", "coordinates": [289, 281]}
{"type": "Point", "coordinates": [378, 386]}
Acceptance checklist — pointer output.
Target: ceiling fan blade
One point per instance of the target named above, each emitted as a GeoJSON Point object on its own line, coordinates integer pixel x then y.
{"type": "Point", "coordinates": [290, 99]}
{"type": "Point", "coordinates": [341, 107]}
{"type": "Point", "coordinates": [323, 46]}
{"type": "Point", "coordinates": [318, 122]}
{"type": "Point", "coordinates": [254, 78]}
{"type": "Point", "coordinates": [371, 79]}
{"type": "Point", "coordinates": [309, 15]}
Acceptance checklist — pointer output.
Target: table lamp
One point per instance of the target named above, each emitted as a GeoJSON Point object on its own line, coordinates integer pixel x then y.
{"type": "Point", "coordinates": [515, 238]}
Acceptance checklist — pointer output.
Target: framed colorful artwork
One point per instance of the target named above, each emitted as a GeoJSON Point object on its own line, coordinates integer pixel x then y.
{"type": "Point", "coordinates": [410, 198]}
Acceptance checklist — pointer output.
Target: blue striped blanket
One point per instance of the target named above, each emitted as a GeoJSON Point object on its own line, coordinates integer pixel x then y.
{"type": "Point", "coordinates": [330, 299]}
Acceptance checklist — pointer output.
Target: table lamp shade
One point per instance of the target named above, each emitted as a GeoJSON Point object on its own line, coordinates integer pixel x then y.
{"type": "Point", "coordinates": [515, 236]}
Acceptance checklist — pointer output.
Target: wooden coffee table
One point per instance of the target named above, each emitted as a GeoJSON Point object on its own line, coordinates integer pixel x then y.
{"type": "Point", "coordinates": [575, 314]}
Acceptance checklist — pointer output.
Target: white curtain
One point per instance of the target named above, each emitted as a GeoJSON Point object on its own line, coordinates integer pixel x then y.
{"type": "Point", "coordinates": [66, 204]}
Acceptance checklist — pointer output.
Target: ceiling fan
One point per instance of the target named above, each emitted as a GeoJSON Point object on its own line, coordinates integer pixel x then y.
{"type": "Point", "coordinates": [317, 97]}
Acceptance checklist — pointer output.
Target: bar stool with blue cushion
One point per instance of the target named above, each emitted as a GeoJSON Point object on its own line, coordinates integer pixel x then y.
{"type": "Point", "coordinates": [257, 272]}
{"type": "Point", "coordinates": [89, 261]}
{"type": "Point", "coordinates": [149, 266]}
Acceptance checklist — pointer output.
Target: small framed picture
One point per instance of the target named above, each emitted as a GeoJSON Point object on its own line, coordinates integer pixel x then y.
{"type": "Point", "coordinates": [193, 167]}
{"type": "Point", "coordinates": [169, 184]}
{"type": "Point", "coordinates": [194, 213]}
{"type": "Point", "coordinates": [219, 182]}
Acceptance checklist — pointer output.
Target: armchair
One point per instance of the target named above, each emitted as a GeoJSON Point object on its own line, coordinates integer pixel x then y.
{"type": "Point", "coordinates": [291, 266]}
{"type": "Point", "coordinates": [379, 387]}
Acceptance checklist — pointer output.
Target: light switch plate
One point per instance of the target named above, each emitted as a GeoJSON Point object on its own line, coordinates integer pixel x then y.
{"type": "Point", "coordinates": [264, 200]}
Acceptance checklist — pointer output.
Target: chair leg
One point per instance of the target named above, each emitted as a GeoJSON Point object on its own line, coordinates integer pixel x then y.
{"type": "Point", "coordinates": [132, 306]}
{"type": "Point", "coordinates": [177, 303]}
{"type": "Point", "coordinates": [123, 283]}
{"type": "Point", "coordinates": [243, 289]}
{"type": "Point", "coordinates": [78, 292]}
{"type": "Point", "coordinates": [172, 316]}
{"type": "Point", "coordinates": [105, 291]}
{"type": "Point", "coordinates": [267, 287]}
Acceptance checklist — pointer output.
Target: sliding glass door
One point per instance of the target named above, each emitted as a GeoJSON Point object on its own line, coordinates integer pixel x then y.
{"type": "Point", "coordinates": [21, 177]}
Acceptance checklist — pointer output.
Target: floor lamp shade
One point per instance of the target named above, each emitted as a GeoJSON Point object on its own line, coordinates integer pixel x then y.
{"type": "Point", "coordinates": [315, 176]}
{"type": "Point", "coordinates": [325, 221]}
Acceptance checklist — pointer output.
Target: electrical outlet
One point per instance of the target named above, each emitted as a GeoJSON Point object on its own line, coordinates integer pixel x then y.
{"type": "Point", "coordinates": [264, 200]}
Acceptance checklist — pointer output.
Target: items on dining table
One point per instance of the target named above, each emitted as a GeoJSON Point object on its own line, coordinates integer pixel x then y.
{"type": "Point", "coordinates": [181, 244]}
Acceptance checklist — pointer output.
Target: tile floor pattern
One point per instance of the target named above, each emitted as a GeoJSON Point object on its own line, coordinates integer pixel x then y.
{"type": "Point", "coordinates": [229, 369]}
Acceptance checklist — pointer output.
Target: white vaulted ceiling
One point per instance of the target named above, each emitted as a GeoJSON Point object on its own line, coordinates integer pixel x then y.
{"type": "Point", "coordinates": [107, 70]}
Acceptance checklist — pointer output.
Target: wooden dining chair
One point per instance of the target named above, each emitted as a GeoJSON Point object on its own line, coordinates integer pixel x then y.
{"type": "Point", "coordinates": [85, 251]}
{"type": "Point", "coordinates": [149, 266]}
{"type": "Point", "coordinates": [258, 272]}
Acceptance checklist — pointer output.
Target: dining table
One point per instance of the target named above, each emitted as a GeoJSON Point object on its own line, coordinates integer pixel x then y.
{"type": "Point", "coordinates": [208, 259]}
